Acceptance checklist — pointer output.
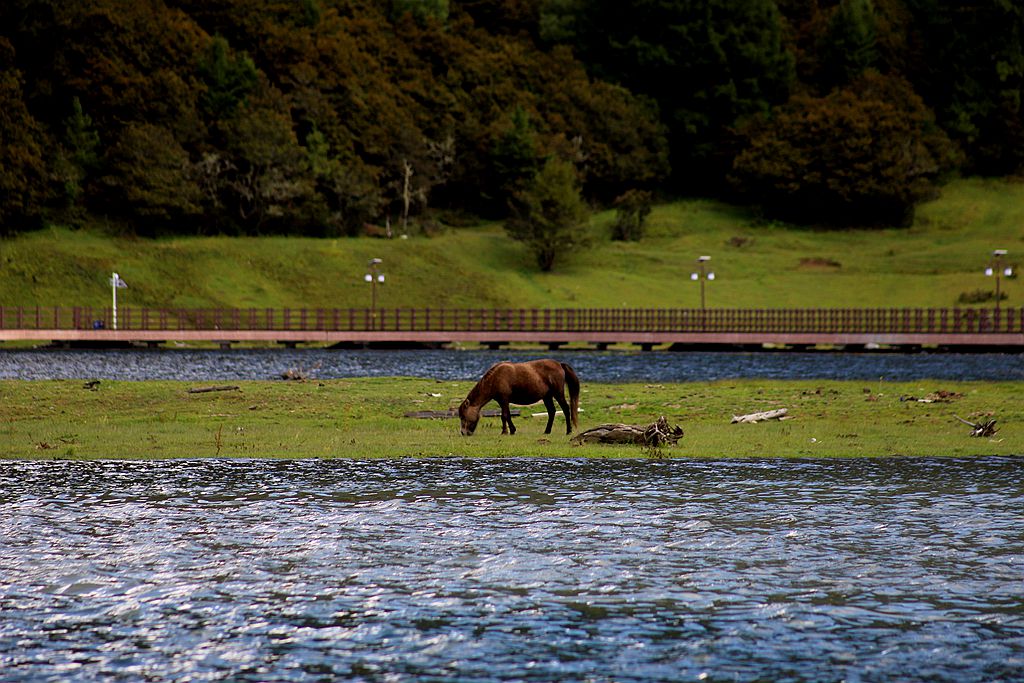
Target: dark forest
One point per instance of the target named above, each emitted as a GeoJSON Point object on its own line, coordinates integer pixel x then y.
{"type": "Point", "coordinates": [333, 117]}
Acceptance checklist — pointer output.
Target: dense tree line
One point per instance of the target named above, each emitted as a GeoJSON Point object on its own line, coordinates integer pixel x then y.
{"type": "Point", "coordinates": [323, 117]}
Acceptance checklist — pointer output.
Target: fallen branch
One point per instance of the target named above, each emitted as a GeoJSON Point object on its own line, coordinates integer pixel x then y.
{"type": "Point", "coordinates": [203, 390]}
{"type": "Point", "coordinates": [980, 428]}
{"type": "Point", "coordinates": [759, 417]}
{"type": "Point", "coordinates": [655, 434]}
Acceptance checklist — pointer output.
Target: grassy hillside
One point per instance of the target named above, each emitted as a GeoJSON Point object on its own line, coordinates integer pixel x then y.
{"type": "Point", "coordinates": [757, 265]}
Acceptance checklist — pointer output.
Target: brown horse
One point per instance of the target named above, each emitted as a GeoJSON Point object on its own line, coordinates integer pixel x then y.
{"type": "Point", "coordinates": [523, 384]}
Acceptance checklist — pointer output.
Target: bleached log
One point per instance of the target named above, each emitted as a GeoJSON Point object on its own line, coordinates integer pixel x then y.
{"type": "Point", "coordinates": [760, 417]}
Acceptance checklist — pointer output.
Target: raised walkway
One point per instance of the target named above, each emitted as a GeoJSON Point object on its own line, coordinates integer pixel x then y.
{"type": "Point", "coordinates": [968, 329]}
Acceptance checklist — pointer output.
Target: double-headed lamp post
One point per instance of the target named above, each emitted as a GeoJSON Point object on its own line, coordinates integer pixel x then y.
{"type": "Point", "coordinates": [373, 276]}
{"type": "Point", "coordinates": [701, 276]}
{"type": "Point", "coordinates": [996, 268]}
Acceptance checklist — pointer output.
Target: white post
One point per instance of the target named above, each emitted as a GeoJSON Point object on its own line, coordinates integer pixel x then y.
{"type": "Point", "coordinates": [113, 290]}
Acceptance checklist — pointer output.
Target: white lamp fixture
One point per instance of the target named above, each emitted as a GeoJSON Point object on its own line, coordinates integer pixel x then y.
{"type": "Point", "coordinates": [374, 277]}
{"type": "Point", "coordinates": [997, 269]}
{"type": "Point", "coordinates": [701, 276]}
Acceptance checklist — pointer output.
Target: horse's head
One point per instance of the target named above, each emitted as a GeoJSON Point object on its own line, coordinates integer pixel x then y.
{"type": "Point", "coordinates": [469, 415]}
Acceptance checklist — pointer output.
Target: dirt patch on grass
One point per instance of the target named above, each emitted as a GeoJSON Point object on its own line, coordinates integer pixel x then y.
{"type": "Point", "coordinates": [819, 263]}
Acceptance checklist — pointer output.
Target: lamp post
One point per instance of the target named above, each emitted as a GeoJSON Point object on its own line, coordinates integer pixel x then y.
{"type": "Point", "coordinates": [373, 276]}
{"type": "Point", "coordinates": [701, 276]}
{"type": "Point", "coordinates": [996, 268]}
{"type": "Point", "coordinates": [116, 283]}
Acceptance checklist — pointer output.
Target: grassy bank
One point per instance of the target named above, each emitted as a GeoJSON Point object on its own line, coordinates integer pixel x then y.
{"type": "Point", "coordinates": [757, 265]}
{"type": "Point", "coordinates": [360, 418]}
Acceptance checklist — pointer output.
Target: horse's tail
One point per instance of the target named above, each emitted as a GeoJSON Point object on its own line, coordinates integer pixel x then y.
{"type": "Point", "coordinates": [573, 382]}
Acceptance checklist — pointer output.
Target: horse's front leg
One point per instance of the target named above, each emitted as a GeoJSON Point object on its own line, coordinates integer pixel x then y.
{"type": "Point", "coordinates": [506, 420]}
{"type": "Point", "coordinates": [550, 405]}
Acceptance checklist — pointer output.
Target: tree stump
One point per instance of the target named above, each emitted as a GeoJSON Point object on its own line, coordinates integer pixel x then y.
{"type": "Point", "coordinates": [655, 434]}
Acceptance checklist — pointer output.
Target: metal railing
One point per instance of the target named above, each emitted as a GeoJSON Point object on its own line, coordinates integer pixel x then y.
{"type": "Point", "coordinates": [716, 320]}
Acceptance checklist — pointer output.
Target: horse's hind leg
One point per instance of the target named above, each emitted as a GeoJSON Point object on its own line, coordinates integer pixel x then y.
{"type": "Point", "coordinates": [565, 411]}
{"type": "Point", "coordinates": [506, 419]}
{"type": "Point", "coordinates": [550, 405]}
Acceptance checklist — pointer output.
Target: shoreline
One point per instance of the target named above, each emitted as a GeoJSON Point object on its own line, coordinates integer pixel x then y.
{"type": "Point", "coordinates": [366, 418]}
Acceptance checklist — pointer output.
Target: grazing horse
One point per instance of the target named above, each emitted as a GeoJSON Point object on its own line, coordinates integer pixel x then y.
{"type": "Point", "coordinates": [523, 384]}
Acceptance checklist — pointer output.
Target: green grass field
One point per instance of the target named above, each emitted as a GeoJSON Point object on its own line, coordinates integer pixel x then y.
{"type": "Point", "coordinates": [757, 265]}
{"type": "Point", "coordinates": [366, 418]}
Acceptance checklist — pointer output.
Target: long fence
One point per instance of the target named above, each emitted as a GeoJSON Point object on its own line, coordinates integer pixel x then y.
{"type": "Point", "coordinates": [523, 320]}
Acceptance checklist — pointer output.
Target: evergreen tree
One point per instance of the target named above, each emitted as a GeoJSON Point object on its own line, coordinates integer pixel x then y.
{"type": "Point", "coordinates": [421, 10]}
{"type": "Point", "coordinates": [516, 154]}
{"type": "Point", "coordinates": [79, 156]}
{"type": "Point", "coordinates": [229, 79]}
{"type": "Point", "coordinates": [849, 46]}
{"type": "Point", "coordinates": [710, 64]}
{"type": "Point", "coordinates": [22, 169]}
{"type": "Point", "coordinates": [549, 215]}
{"type": "Point", "coordinates": [971, 71]}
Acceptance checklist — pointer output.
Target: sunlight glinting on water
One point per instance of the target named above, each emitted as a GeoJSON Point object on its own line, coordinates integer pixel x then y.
{"type": "Point", "coordinates": [526, 570]}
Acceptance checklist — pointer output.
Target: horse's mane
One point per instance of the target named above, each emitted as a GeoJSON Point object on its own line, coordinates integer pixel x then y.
{"type": "Point", "coordinates": [491, 369]}
{"type": "Point", "coordinates": [484, 381]}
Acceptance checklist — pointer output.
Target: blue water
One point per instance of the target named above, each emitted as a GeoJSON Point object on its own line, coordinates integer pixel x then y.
{"type": "Point", "coordinates": [456, 570]}
{"type": "Point", "coordinates": [464, 365]}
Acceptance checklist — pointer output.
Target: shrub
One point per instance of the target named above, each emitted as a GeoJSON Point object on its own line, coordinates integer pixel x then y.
{"type": "Point", "coordinates": [632, 209]}
{"type": "Point", "coordinates": [864, 155]}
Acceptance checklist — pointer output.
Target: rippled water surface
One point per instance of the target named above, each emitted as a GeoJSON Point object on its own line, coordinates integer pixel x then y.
{"type": "Point", "coordinates": [442, 570]}
{"type": "Point", "coordinates": [463, 365]}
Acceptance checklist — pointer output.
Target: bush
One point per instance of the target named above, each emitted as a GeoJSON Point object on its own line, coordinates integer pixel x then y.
{"type": "Point", "coordinates": [862, 155]}
{"type": "Point", "coordinates": [632, 209]}
{"type": "Point", "coordinates": [549, 216]}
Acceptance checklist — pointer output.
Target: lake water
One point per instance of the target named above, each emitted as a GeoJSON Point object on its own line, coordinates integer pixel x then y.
{"type": "Point", "coordinates": [592, 366]}
{"type": "Point", "coordinates": [455, 570]}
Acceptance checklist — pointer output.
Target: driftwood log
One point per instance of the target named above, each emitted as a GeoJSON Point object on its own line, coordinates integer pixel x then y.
{"type": "Point", "coordinates": [760, 417]}
{"type": "Point", "coordinates": [655, 434]}
{"type": "Point", "coordinates": [987, 428]}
